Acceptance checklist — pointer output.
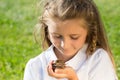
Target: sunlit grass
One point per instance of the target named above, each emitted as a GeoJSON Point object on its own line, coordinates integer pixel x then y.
{"type": "Point", "coordinates": [17, 46]}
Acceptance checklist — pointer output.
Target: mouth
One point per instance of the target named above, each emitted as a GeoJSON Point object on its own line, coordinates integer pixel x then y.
{"type": "Point", "coordinates": [65, 51]}
{"type": "Point", "coordinates": [62, 51]}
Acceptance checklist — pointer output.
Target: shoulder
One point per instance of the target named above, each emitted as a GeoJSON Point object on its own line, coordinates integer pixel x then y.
{"type": "Point", "coordinates": [35, 62]}
{"type": "Point", "coordinates": [101, 59]}
{"type": "Point", "coordinates": [100, 54]}
{"type": "Point", "coordinates": [38, 65]}
{"type": "Point", "coordinates": [100, 66]}
{"type": "Point", "coordinates": [40, 59]}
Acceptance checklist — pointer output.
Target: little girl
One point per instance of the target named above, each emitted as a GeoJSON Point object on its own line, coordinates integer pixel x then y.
{"type": "Point", "coordinates": [73, 32]}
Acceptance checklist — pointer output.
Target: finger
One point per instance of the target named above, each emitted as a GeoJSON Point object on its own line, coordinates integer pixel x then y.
{"type": "Point", "coordinates": [60, 76]}
{"type": "Point", "coordinates": [59, 73]}
{"type": "Point", "coordinates": [49, 69]}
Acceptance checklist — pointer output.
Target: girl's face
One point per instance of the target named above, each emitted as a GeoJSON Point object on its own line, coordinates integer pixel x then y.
{"type": "Point", "coordinates": [67, 36]}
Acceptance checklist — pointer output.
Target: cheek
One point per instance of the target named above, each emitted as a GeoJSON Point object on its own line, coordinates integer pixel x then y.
{"type": "Point", "coordinates": [79, 44]}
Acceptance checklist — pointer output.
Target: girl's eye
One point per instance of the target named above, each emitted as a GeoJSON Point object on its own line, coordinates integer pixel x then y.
{"type": "Point", "coordinates": [74, 38]}
{"type": "Point", "coordinates": [58, 36]}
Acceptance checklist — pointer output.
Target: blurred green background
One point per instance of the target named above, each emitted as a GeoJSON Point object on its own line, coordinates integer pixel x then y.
{"type": "Point", "coordinates": [17, 45]}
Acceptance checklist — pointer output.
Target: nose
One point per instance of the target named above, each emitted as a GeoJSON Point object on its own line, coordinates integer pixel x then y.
{"type": "Point", "coordinates": [62, 43]}
{"type": "Point", "coordinates": [65, 44]}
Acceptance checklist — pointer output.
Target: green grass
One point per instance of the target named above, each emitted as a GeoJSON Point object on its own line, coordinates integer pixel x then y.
{"type": "Point", "coordinates": [17, 45]}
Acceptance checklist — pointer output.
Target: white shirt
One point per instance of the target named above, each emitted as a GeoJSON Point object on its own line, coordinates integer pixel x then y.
{"type": "Point", "coordinates": [96, 67]}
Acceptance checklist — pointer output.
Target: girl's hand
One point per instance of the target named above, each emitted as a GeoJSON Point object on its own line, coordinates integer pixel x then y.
{"type": "Point", "coordinates": [67, 72]}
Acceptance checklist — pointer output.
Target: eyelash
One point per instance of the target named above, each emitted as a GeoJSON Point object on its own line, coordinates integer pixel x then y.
{"type": "Point", "coordinates": [74, 38]}
{"type": "Point", "coordinates": [60, 37]}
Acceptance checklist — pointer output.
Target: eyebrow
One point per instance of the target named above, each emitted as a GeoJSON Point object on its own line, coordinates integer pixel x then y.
{"type": "Point", "coordinates": [74, 34]}
{"type": "Point", "coordinates": [69, 34]}
{"type": "Point", "coordinates": [53, 33]}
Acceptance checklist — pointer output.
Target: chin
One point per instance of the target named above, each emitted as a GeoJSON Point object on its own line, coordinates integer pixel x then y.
{"type": "Point", "coordinates": [68, 52]}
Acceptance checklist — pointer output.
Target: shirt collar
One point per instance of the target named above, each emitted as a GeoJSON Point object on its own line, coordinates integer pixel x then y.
{"type": "Point", "coordinates": [78, 59]}
{"type": "Point", "coordinates": [75, 62]}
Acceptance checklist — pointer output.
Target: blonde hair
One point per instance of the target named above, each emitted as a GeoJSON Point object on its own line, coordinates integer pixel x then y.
{"type": "Point", "coordinates": [71, 9]}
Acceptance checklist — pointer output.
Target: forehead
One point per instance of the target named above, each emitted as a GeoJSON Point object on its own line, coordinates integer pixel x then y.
{"type": "Point", "coordinates": [72, 22]}
{"type": "Point", "coordinates": [71, 25]}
